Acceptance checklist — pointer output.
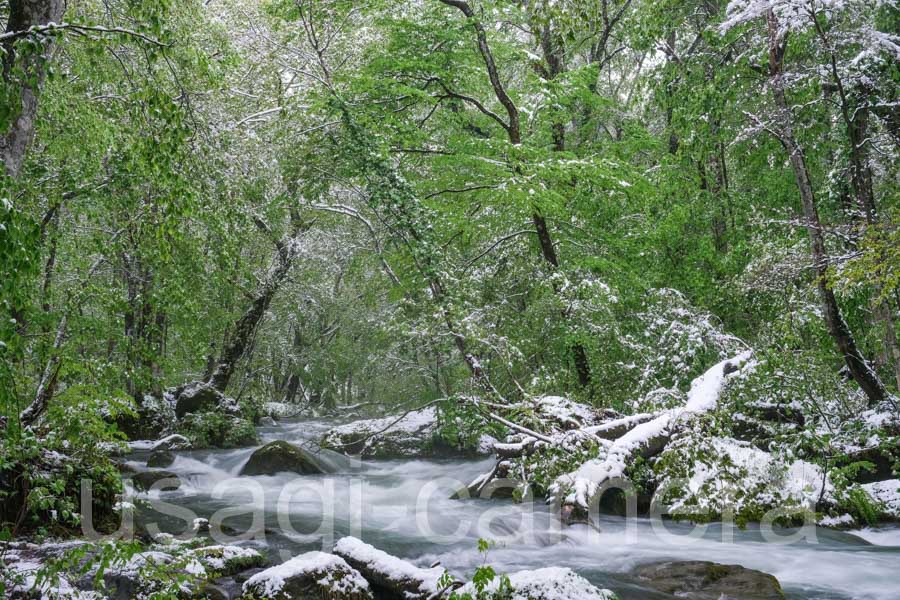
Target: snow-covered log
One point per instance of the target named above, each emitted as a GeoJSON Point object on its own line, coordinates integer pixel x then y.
{"type": "Point", "coordinates": [583, 486]}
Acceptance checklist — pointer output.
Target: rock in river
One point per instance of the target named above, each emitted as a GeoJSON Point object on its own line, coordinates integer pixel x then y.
{"type": "Point", "coordinates": [146, 479]}
{"type": "Point", "coordinates": [160, 459]}
{"type": "Point", "coordinates": [704, 580]}
{"type": "Point", "coordinates": [280, 457]}
{"type": "Point", "coordinates": [310, 575]}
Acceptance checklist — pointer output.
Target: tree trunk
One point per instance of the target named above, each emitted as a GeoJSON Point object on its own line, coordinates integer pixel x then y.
{"type": "Point", "coordinates": [243, 329]}
{"type": "Point", "coordinates": [859, 368]}
{"type": "Point", "coordinates": [24, 14]}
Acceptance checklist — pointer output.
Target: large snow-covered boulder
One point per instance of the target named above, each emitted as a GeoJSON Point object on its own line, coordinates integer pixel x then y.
{"type": "Point", "coordinates": [310, 575]}
{"type": "Point", "coordinates": [566, 413]}
{"type": "Point", "coordinates": [550, 583]}
{"type": "Point", "coordinates": [279, 457]}
{"type": "Point", "coordinates": [704, 580]}
{"type": "Point", "coordinates": [170, 442]}
{"type": "Point", "coordinates": [389, 576]}
{"type": "Point", "coordinates": [887, 495]}
{"type": "Point", "coordinates": [410, 435]}
{"type": "Point", "coordinates": [705, 475]}
{"type": "Point", "coordinates": [153, 418]}
{"type": "Point", "coordinates": [198, 397]}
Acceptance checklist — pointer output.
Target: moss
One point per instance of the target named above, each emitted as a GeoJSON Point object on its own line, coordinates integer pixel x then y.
{"type": "Point", "coordinates": [716, 572]}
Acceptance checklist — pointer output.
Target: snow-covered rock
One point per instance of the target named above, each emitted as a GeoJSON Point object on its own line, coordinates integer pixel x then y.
{"type": "Point", "coordinates": [153, 417]}
{"type": "Point", "coordinates": [21, 566]}
{"type": "Point", "coordinates": [227, 560]}
{"type": "Point", "coordinates": [566, 413]}
{"type": "Point", "coordinates": [886, 494]}
{"type": "Point", "coordinates": [310, 575]}
{"type": "Point", "coordinates": [550, 583]}
{"type": "Point", "coordinates": [280, 410]}
{"type": "Point", "coordinates": [704, 476]}
{"type": "Point", "coordinates": [170, 442]}
{"type": "Point", "coordinates": [389, 575]}
{"type": "Point", "coordinates": [413, 434]}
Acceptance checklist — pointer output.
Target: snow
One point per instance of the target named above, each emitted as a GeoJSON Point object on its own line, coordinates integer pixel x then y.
{"type": "Point", "coordinates": [170, 442]}
{"type": "Point", "coordinates": [839, 521]}
{"type": "Point", "coordinates": [549, 583]}
{"type": "Point", "coordinates": [133, 565]}
{"type": "Point", "coordinates": [886, 493]}
{"type": "Point", "coordinates": [21, 575]}
{"type": "Point", "coordinates": [486, 444]}
{"type": "Point", "coordinates": [280, 410]}
{"type": "Point", "coordinates": [325, 567]}
{"type": "Point", "coordinates": [741, 474]}
{"type": "Point", "coordinates": [391, 567]}
{"type": "Point", "coordinates": [219, 558]}
{"type": "Point", "coordinates": [702, 397]}
{"type": "Point", "coordinates": [566, 412]}
{"type": "Point", "coordinates": [413, 422]}
{"type": "Point", "coordinates": [413, 427]}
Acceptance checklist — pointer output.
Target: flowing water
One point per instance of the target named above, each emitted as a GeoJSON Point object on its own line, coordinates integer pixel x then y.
{"type": "Point", "coordinates": [404, 508]}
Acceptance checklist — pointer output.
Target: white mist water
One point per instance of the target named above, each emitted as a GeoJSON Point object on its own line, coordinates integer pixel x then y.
{"type": "Point", "coordinates": [404, 508]}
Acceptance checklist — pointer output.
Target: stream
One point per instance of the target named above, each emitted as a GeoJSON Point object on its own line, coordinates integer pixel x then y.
{"type": "Point", "coordinates": [403, 507]}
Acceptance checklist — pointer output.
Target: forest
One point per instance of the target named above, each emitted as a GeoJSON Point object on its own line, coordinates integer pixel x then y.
{"type": "Point", "coordinates": [450, 299]}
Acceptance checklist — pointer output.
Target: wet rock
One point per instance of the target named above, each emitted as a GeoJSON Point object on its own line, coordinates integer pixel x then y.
{"type": "Point", "coordinates": [160, 459]}
{"type": "Point", "coordinates": [219, 589]}
{"type": "Point", "coordinates": [267, 422]}
{"type": "Point", "coordinates": [280, 457]}
{"type": "Point", "coordinates": [310, 575]}
{"type": "Point", "coordinates": [704, 580]}
{"type": "Point", "coordinates": [146, 479]}
{"type": "Point", "coordinates": [124, 468]}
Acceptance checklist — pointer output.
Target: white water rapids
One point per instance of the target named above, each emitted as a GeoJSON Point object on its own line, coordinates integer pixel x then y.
{"type": "Point", "coordinates": [403, 507]}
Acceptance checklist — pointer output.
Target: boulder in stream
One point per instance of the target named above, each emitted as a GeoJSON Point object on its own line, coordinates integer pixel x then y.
{"type": "Point", "coordinates": [411, 435]}
{"type": "Point", "coordinates": [197, 397]}
{"type": "Point", "coordinates": [279, 457]}
{"type": "Point", "coordinates": [704, 580]}
{"type": "Point", "coordinates": [160, 459]}
{"type": "Point", "coordinates": [310, 575]}
{"type": "Point", "coordinates": [144, 480]}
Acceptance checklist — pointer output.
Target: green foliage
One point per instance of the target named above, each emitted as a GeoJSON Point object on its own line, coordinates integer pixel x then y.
{"type": "Point", "coordinates": [217, 430]}
{"type": "Point", "coordinates": [487, 583]}
{"type": "Point", "coordinates": [461, 425]}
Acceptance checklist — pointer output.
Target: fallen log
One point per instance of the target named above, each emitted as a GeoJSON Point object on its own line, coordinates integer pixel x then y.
{"type": "Point", "coordinates": [583, 487]}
